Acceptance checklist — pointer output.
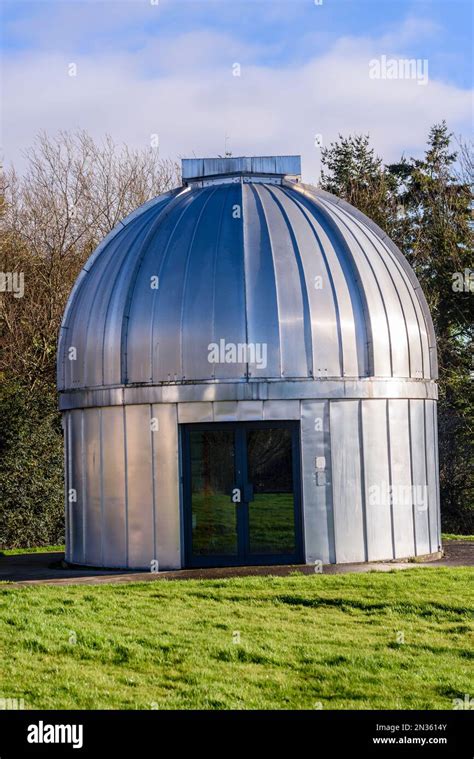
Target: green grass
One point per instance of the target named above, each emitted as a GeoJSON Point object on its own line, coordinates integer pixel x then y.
{"type": "Point", "coordinates": [271, 524]}
{"type": "Point", "coordinates": [35, 549]}
{"type": "Point", "coordinates": [303, 640]}
{"type": "Point", "coordinates": [452, 536]}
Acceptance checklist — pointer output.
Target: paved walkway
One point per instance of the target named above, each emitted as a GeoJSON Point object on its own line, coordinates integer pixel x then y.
{"type": "Point", "coordinates": [49, 568]}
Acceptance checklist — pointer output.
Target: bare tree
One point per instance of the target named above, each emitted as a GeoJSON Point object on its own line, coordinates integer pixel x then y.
{"type": "Point", "coordinates": [74, 191]}
{"type": "Point", "coordinates": [466, 161]}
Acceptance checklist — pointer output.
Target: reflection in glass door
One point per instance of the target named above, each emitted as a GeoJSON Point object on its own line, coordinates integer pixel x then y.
{"type": "Point", "coordinates": [241, 493]}
{"type": "Point", "coordinates": [214, 516]}
{"type": "Point", "coordinates": [271, 509]}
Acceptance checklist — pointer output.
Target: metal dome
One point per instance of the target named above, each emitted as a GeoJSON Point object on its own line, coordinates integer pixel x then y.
{"type": "Point", "coordinates": [286, 266]}
{"type": "Point", "coordinates": [248, 334]}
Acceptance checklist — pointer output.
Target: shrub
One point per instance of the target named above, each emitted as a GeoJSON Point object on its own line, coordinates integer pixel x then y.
{"type": "Point", "coordinates": [31, 467]}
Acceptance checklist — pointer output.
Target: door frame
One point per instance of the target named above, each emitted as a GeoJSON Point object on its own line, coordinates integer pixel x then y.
{"type": "Point", "coordinates": [242, 558]}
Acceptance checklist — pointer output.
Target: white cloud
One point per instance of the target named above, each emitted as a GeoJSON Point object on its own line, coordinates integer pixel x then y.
{"type": "Point", "coordinates": [187, 94]}
{"type": "Point", "coordinates": [412, 29]}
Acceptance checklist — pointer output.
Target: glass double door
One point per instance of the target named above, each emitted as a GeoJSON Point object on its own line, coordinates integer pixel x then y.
{"type": "Point", "coordinates": [241, 493]}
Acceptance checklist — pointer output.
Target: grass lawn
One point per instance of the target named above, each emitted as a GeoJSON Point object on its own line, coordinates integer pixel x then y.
{"type": "Point", "coordinates": [35, 549]}
{"type": "Point", "coordinates": [452, 536]}
{"type": "Point", "coordinates": [337, 640]}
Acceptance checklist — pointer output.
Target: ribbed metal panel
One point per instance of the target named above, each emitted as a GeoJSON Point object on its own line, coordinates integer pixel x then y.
{"type": "Point", "coordinates": [254, 390]}
{"type": "Point", "coordinates": [418, 467]}
{"type": "Point", "coordinates": [244, 263]}
{"type": "Point", "coordinates": [317, 482]}
{"type": "Point", "coordinates": [369, 478]}
{"type": "Point", "coordinates": [347, 481]}
{"type": "Point", "coordinates": [92, 455]}
{"type": "Point", "coordinates": [431, 449]}
{"type": "Point", "coordinates": [78, 508]}
{"type": "Point", "coordinates": [377, 480]}
{"type": "Point", "coordinates": [73, 332]}
{"type": "Point", "coordinates": [401, 478]}
{"type": "Point", "coordinates": [114, 504]}
{"type": "Point", "coordinates": [198, 168]}
{"type": "Point", "coordinates": [166, 487]}
{"type": "Point", "coordinates": [140, 485]}
{"type": "Point", "coordinates": [319, 305]}
{"type": "Point", "coordinates": [69, 454]}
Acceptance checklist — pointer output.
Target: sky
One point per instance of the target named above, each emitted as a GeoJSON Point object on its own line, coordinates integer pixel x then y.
{"type": "Point", "coordinates": [254, 77]}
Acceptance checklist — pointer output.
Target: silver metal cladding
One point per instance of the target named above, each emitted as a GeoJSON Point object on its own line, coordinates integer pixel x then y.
{"type": "Point", "coordinates": [249, 296]}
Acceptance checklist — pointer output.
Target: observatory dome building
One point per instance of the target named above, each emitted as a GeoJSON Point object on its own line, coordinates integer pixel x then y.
{"type": "Point", "coordinates": [246, 369]}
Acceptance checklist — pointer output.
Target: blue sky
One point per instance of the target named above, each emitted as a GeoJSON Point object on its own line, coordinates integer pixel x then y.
{"type": "Point", "coordinates": [167, 68]}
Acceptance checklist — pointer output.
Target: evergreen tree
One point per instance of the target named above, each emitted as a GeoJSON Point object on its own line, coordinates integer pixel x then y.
{"type": "Point", "coordinates": [352, 171]}
{"type": "Point", "coordinates": [435, 233]}
{"type": "Point", "coordinates": [425, 207]}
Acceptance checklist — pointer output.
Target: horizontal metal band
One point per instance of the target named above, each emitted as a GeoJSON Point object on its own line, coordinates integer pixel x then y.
{"type": "Point", "coordinates": [249, 391]}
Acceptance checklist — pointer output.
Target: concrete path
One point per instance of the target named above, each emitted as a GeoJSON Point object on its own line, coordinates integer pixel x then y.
{"type": "Point", "coordinates": [49, 568]}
